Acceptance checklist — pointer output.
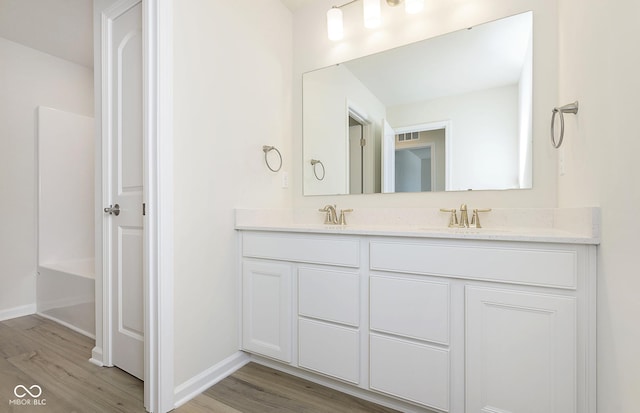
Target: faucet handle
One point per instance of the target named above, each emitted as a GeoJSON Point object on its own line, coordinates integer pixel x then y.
{"type": "Point", "coordinates": [475, 218]}
{"type": "Point", "coordinates": [453, 220]}
{"type": "Point", "coordinates": [343, 219]}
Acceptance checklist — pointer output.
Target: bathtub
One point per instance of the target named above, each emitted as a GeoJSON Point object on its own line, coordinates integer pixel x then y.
{"type": "Point", "coordinates": [65, 293]}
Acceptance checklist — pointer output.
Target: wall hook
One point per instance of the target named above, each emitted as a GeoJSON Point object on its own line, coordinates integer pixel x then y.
{"type": "Point", "coordinates": [569, 108]}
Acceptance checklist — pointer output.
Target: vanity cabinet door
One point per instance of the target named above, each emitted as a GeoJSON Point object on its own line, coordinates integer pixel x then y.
{"type": "Point", "coordinates": [520, 351]}
{"type": "Point", "coordinates": [267, 308]}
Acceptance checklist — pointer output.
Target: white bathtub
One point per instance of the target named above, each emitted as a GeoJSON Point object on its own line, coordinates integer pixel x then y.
{"type": "Point", "coordinates": [65, 292]}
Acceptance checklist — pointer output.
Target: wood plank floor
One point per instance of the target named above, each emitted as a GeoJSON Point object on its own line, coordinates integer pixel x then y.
{"type": "Point", "coordinates": [35, 350]}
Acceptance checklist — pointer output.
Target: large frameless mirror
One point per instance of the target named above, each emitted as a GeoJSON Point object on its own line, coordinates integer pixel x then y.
{"type": "Point", "coordinates": [449, 113]}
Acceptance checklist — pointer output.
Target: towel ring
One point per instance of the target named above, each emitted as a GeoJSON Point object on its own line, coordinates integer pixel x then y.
{"type": "Point", "coordinates": [316, 162]}
{"type": "Point", "coordinates": [569, 108]}
{"type": "Point", "coordinates": [268, 149]}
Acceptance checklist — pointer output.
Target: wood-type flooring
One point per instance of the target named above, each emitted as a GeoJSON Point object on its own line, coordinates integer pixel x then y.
{"type": "Point", "coordinates": [40, 352]}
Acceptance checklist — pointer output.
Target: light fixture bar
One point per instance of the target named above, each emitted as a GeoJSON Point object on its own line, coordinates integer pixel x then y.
{"type": "Point", "coordinates": [372, 15]}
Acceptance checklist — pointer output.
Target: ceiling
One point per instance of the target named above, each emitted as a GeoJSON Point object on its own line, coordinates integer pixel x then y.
{"type": "Point", "coordinates": [62, 28]}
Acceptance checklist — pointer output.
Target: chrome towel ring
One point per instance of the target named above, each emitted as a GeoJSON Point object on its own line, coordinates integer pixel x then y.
{"type": "Point", "coordinates": [569, 108]}
{"type": "Point", "coordinates": [268, 149]}
{"type": "Point", "coordinates": [314, 163]}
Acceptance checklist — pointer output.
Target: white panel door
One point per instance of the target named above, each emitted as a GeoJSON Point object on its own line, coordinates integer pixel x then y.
{"type": "Point", "coordinates": [520, 352]}
{"type": "Point", "coordinates": [126, 184]}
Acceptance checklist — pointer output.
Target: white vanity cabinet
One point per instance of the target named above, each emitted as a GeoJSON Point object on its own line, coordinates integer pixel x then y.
{"type": "Point", "coordinates": [320, 302]}
{"type": "Point", "coordinates": [427, 324]}
{"type": "Point", "coordinates": [523, 337]}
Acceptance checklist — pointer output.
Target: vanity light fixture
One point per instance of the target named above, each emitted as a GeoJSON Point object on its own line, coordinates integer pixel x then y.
{"type": "Point", "coordinates": [371, 13]}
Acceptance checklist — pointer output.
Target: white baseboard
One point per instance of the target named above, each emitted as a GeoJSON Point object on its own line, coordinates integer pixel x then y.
{"type": "Point", "coordinates": [68, 325]}
{"type": "Point", "coordinates": [16, 312]}
{"type": "Point", "coordinates": [96, 356]}
{"type": "Point", "coordinates": [197, 384]}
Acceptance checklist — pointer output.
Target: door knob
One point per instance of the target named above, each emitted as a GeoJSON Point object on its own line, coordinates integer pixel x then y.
{"type": "Point", "coordinates": [115, 210]}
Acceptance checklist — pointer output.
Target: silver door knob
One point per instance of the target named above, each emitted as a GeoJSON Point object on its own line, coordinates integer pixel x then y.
{"type": "Point", "coordinates": [113, 209]}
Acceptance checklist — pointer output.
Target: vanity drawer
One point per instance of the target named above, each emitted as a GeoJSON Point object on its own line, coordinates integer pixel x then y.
{"type": "Point", "coordinates": [551, 265]}
{"type": "Point", "coordinates": [411, 308]}
{"type": "Point", "coordinates": [330, 250]}
{"type": "Point", "coordinates": [412, 371]}
{"type": "Point", "coordinates": [329, 295]}
{"type": "Point", "coordinates": [329, 349]}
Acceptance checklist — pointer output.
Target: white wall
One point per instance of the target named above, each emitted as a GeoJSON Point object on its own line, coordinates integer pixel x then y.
{"type": "Point", "coordinates": [313, 50]}
{"type": "Point", "coordinates": [66, 168]}
{"type": "Point", "coordinates": [600, 67]}
{"type": "Point", "coordinates": [232, 94]}
{"type": "Point", "coordinates": [483, 148]}
{"type": "Point", "coordinates": [28, 78]}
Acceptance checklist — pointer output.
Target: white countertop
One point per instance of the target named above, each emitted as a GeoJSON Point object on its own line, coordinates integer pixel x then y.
{"type": "Point", "coordinates": [573, 226]}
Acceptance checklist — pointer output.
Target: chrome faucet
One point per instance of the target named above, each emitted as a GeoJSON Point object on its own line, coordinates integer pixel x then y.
{"type": "Point", "coordinates": [332, 217]}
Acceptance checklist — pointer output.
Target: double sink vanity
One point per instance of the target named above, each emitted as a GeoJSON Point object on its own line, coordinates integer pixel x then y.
{"type": "Point", "coordinates": [421, 317]}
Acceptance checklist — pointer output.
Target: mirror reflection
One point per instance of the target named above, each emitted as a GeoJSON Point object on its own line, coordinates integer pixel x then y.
{"type": "Point", "coordinates": [448, 113]}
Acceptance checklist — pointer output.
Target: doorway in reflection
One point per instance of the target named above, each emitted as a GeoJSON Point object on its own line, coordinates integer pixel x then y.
{"type": "Point", "coordinates": [420, 161]}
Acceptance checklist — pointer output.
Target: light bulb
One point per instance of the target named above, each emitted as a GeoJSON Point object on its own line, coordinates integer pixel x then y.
{"type": "Point", "coordinates": [414, 6]}
{"type": "Point", "coordinates": [335, 30]}
{"type": "Point", "coordinates": [371, 10]}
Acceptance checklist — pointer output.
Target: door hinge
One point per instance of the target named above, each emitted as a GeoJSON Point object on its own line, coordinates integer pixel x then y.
{"type": "Point", "coordinates": [144, 209]}
{"type": "Point", "coordinates": [363, 141]}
